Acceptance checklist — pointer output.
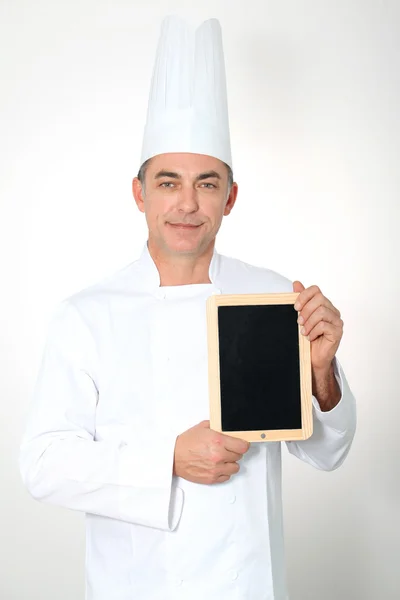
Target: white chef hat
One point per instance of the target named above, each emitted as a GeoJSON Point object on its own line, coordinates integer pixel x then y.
{"type": "Point", "coordinates": [188, 108]}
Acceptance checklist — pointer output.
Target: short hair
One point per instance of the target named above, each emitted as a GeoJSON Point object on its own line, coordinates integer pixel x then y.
{"type": "Point", "coordinates": [142, 174]}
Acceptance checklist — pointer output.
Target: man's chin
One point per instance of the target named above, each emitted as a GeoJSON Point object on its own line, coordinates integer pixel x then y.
{"type": "Point", "coordinates": [184, 246]}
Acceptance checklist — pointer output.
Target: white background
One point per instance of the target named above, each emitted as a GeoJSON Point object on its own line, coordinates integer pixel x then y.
{"type": "Point", "coordinates": [314, 109]}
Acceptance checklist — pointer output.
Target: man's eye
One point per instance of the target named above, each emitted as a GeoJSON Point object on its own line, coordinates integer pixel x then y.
{"type": "Point", "coordinates": [211, 184]}
{"type": "Point", "coordinates": [166, 184]}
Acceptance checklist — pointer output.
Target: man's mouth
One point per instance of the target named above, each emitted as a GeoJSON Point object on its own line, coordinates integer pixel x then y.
{"type": "Point", "coordinates": [183, 226]}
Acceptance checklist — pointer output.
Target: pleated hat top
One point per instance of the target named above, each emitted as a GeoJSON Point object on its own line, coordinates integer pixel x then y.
{"type": "Point", "coordinates": [188, 107]}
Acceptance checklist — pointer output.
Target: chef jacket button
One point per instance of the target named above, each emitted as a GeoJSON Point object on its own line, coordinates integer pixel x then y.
{"type": "Point", "coordinates": [234, 575]}
{"type": "Point", "coordinates": [178, 582]}
{"type": "Point", "coordinates": [232, 500]}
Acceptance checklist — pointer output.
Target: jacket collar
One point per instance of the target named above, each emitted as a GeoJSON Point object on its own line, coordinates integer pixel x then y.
{"type": "Point", "coordinates": [150, 277]}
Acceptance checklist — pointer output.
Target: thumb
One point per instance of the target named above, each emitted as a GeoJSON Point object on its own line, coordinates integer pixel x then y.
{"type": "Point", "coordinates": [205, 424]}
{"type": "Point", "coordinates": [298, 286]}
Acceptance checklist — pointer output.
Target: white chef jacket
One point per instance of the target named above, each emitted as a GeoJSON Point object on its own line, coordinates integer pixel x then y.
{"type": "Point", "coordinates": [124, 372]}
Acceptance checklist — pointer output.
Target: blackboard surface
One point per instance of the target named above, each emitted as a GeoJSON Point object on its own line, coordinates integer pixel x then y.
{"type": "Point", "coordinates": [259, 367]}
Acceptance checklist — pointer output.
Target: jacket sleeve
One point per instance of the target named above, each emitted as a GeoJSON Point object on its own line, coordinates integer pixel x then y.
{"type": "Point", "coordinates": [60, 460]}
{"type": "Point", "coordinates": [333, 431]}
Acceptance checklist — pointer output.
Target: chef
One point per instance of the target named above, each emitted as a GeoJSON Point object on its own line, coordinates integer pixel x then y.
{"type": "Point", "coordinates": [119, 423]}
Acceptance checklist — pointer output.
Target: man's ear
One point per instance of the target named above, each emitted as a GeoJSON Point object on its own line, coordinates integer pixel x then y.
{"type": "Point", "coordinates": [230, 203]}
{"type": "Point", "coordinates": [138, 193]}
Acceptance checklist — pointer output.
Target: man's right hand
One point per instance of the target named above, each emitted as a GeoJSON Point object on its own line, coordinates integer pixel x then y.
{"type": "Point", "coordinates": [206, 456]}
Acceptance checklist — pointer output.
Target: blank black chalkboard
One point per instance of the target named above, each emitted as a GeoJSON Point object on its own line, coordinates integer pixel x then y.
{"type": "Point", "coordinates": [259, 367]}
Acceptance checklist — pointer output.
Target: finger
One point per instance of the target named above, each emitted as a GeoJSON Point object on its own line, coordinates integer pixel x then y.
{"type": "Point", "coordinates": [322, 313]}
{"type": "Point", "coordinates": [235, 444]}
{"type": "Point", "coordinates": [298, 286]}
{"type": "Point", "coordinates": [230, 469]}
{"type": "Point", "coordinates": [226, 472]}
{"type": "Point", "coordinates": [312, 305]}
{"type": "Point", "coordinates": [223, 478]}
{"type": "Point", "coordinates": [305, 296]}
{"type": "Point", "coordinates": [229, 456]}
{"type": "Point", "coordinates": [331, 332]}
{"type": "Point", "coordinates": [308, 294]}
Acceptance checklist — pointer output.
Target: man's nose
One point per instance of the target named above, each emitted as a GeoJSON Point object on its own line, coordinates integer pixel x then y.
{"type": "Point", "coordinates": [187, 199]}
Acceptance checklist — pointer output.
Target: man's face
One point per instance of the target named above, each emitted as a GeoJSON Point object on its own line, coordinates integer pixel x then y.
{"type": "Point", "coordinates": [184, 199]}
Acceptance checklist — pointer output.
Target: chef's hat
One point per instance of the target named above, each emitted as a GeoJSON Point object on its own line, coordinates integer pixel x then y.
{"type": "Point", "coordinates": [188, 108]}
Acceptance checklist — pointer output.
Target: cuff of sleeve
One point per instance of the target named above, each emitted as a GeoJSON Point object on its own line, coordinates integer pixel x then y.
{"type": "Point", "coordinates": [342, 416]}
{"type": "Point", "coordinates": [148, 495]}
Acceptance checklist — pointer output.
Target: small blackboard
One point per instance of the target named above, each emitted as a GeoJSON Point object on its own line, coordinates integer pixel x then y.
{"type": "Point", "coordinates": [259, 368]}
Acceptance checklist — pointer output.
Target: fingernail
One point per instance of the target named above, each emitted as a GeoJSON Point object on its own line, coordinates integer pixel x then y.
{"type": "Point", "coordinates": [303, 330]}
{"type": "Point", "coordinates": [297, 306]}
{"type": "Point", "coordinates": [300, 320]}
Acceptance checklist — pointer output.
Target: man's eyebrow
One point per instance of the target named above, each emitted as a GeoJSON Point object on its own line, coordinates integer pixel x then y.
{"type": "Point", "coordinates": [164, 173]}
{"type": "Point", "coordinates": [207, 175]}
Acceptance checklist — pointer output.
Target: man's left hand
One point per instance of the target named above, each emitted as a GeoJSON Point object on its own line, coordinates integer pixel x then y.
{"type": "Point", "coordinates": [321, 324]}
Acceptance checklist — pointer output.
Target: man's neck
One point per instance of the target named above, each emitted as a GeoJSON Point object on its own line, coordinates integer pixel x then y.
{"type": "Point", "coordinates": [182, 269]}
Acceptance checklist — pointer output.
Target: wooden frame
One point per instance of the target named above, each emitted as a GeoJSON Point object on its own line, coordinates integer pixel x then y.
{"type": "Point", "coordinates": [213, 303]}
